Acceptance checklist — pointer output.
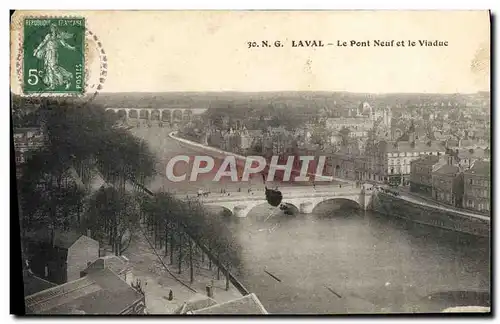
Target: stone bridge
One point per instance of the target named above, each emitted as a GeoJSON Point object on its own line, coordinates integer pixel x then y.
{"type": "Point", "coordinates": [160, 114]}
{"type": "Point", "coordinates": [304, 200]}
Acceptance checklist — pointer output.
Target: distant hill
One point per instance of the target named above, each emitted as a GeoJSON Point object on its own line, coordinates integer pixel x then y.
{"type": "Point", "coordinates": [302, 100]}
{"type": "Point", "coordinates": [247, 100]}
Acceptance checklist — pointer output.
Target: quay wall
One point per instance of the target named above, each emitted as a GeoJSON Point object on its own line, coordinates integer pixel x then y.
{"type": "Point", "coordinates": [393, 206]}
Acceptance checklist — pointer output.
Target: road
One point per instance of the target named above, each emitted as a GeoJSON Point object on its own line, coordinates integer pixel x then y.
{"type": "Point", "coordinates": [423, 202]}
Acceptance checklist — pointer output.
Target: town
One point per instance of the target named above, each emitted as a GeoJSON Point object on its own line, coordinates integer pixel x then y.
{"type": "Point", "coordinates": [440, 150]}
{"type": "Point", "coordinates": [434, 149]}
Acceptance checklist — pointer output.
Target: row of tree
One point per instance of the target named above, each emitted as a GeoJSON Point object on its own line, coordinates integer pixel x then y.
{"type": "Point", "coordinates": [189, 234]}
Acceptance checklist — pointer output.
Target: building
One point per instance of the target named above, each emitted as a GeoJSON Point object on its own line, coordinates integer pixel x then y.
{"type": "Point", "coordinates": [343, 166]}
{"type": "Point", "coordinates": [100, 292]}
{"type": "Point", "coordinates": [358, 126]}
{"type": "Point", "coordinates": [361, 168]}
{"type": "Point", "coordinates": [399, 154]}
{"type": "Point", "coordinates": [199, 301]}
{"type": "Point", "coordinates": [421, 174]}
{"type": "Point", "coordinates": [477, 187]}
{"type": "Point", "coordinates": [27, 141]}
{"type": "Point", "coordinates": [390, 161]}
{"type": "Point", "coordinates": [467, 157]}
{"type": "Point", "coordinates": [245, 139]}
{"type": "Point", "coordinates": [246, 305]}
{"type": "Point", "coordinates": [215, 138]}
{"type": "Point", "coordinates": [447, 184]}
{"type": "Point", "coordinates": [117, 264]}
{"type": "Point", "coordinates": [59, 257]}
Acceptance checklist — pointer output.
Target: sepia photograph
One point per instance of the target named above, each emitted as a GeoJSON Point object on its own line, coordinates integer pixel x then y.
{"type": "Point", "coordinates": [217, 162]}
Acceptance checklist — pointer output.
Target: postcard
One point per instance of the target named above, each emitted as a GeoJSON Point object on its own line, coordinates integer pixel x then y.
{"type": "Point", "coordinates": [252, 162]}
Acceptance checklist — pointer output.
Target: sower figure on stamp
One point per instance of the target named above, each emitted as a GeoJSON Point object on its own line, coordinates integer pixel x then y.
{"type": "Point", "coordinates": [54, 74]}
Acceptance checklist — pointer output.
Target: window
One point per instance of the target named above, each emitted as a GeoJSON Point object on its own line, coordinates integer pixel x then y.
{"type": "Point", "coordinates": [470, 181]}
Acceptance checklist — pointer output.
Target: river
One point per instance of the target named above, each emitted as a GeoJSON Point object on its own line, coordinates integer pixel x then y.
{"type": "Point", "coordinates": [344, 260]}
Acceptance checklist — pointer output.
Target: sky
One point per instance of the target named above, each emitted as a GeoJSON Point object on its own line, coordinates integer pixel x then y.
{"type": "Point", "coordinates": [160, 51]}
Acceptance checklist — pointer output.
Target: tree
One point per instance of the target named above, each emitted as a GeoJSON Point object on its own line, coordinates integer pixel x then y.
{"type": "Point", "coordinates": [320, 135]}
{"type": "Point", "coordinates": [111, 213]}
{"type": "Point", "coordinates": [188, 228]}
{"type": "Point", "coordinates": [49, 196]}
{"type": "Point", "coordinates": [344, 134]}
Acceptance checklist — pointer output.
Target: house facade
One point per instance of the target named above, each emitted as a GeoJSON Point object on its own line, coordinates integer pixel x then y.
{"type": "Point", "coordinates": [59, 257]}
{"type": "Point", "coordinates": [447, 184]}
{"type": "Point", "coordinates": [421, 174]}
{"type": "Point", "coordinates": [477, 187]}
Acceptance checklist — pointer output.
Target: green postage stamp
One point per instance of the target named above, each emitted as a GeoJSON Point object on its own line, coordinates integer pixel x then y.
{"type": "Point", "coordinates": [54, 55]}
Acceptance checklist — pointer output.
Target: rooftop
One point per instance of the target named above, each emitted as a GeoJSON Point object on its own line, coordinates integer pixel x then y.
{"type": "Point", "coordinates": [34, 284]}
{"type": "Point", "coordinates": [196, 303]}
{"type": "Point", "coordinates": [246, 305]}
{"type": "Point", "coordinates": [474, 153]}
{"type": "Point", "coordinates": [448, 169]}
{"type": "Point", "coordinates": [115, 263]}
{"type": "Point", "coordinates": [405, 146]}
{"type": "Point", "coordinates": [62, 239]}
{"type": "Point", "coordinates": [428, 160]}
{"type": "Point", "coordinates": [100, 292]}
{"type": "Point", "coordinates": [480, 168]}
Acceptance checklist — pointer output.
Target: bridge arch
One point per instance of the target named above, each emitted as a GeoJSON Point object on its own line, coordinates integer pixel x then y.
{"type": "Point", "coordinates": [110, 111]}
{"type": "Point", "coordinates": [177, 115]}
{"type": "Point", "coordinates": [166, 115]}
{"type": "Point", "coordinates": [263, 204]}
{"type": "Point", "coordinates": [155, 114]}
{"type": "Point", "coordinates": [122, 114]}
{"type": "Point", "coordinates": [292, 208]}
{"type": "Point", "coordinates": [343, 200]}
{"type": "Point", "coordinates": [219, 209]}
{"type": "Point", "coordinates": [187, 115]}
{"type": "Point", "coordinates": [144, 114]}
{"type": "Point", "coordinates": [110, 114]}
{"type": "Point", "coordinates": [133, 114]}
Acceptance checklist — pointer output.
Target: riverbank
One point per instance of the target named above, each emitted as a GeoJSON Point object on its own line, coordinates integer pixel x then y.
{"type": "Point", "coordinates": [418, 212]}
{"type": "Point", "coordinates": [427, 200]}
